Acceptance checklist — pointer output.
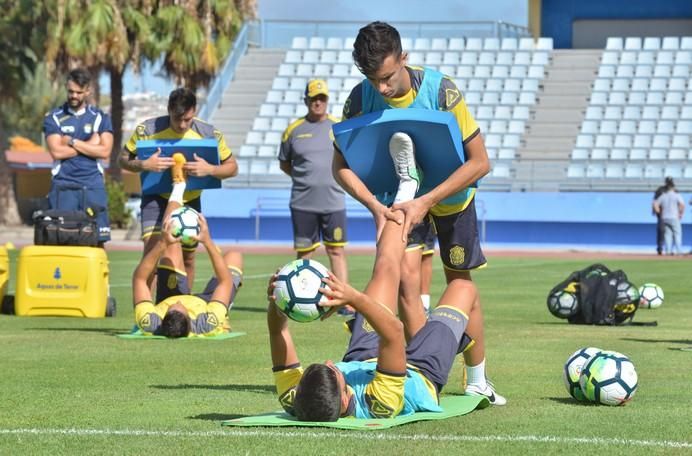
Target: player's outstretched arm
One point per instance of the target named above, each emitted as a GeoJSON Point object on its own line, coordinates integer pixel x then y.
{"type": "Point", "coordinates": [140, 288]}
{"type": "Point", "coordinates": [392, 350]}
{"type": "Point", "coordinates": [222, 292]}
{"type": "Point", "coordinates": [283, 350]}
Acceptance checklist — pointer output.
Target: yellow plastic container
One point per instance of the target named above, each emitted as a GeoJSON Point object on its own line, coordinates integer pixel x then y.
{"type": "Point", "coordinates": [63, 281]}
{"type": "Point", "coordinates": [4, 271]}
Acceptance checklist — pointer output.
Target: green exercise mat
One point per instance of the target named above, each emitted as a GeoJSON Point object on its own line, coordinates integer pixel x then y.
{"type": "Point", "coordinates": [451, 405]}
{"type": "Point", "coordinates": [138, 335]}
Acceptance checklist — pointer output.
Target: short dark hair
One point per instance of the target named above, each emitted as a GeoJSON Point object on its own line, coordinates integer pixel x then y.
{"type": "Point", "coordinates": [175, 324]}
{"type": "Point", "coordinates": [318, 397]}
{"type": "Point", "coordinates": [374, 43]}
{"type": "Point", "coordinates": [79, 76]}
{"type": "Point", "coordinates": [181, 101]}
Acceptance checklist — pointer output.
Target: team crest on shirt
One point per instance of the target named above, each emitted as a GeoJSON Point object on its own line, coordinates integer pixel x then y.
{"type": "Point", "coordinates": [452, 96]}
{"type": "Point", "coordinates": [67, 128]}
{"type": "Point", "coordinates": [88, 128]}
{"type": "Point", "coordinates": [456, 255]}
{"type": "Point", "coordinates": [141, 131]}
{"type": "Point", "coordinates": [338, 233]}
{"type": "Point", "coordinates": [366, 326]}
{"type": "Point", "coordinates": [172, 281]}
{"type": "Point", "coordinates": [347, 107]}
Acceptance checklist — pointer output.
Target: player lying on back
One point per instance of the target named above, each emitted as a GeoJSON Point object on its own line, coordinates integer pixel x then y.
{"type": "Point", "coordinates": [178, 313]}
{"type": "Point", "coordinates": [380, 376]}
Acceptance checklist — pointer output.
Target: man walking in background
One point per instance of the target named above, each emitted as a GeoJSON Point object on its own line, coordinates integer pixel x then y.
{"type": "Point", "coordinates": [670, 207]}
{"type": "Point", "coordinates": [318, 209]}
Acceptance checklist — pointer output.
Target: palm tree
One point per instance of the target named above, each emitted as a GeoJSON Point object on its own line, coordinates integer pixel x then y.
{"type": "Point", "coordinates": [19, 57]}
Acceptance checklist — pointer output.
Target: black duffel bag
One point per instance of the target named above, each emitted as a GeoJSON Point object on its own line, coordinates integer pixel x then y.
{"type": "Point", "coordinates": [64, 227]}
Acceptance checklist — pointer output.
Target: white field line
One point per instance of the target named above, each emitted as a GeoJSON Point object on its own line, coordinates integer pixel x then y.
{"type": "Point", "coordinates": [329, 435]}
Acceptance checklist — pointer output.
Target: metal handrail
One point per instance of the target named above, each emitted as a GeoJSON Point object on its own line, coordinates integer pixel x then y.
{"type": "Point", "coordinates": [225, 76]}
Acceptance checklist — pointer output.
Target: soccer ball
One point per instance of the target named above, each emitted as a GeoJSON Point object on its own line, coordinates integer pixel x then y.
{"type": "Point", "coordinates": [650, 296]}
{"type": "Point", "coordinates": [563, 304]}
{"type": "Point", "coordinates": [608, 378]}
{"type": "Point", "coordinates": [185, 225]}
{"type": "Point", "coordinates": [572, 370]}
{"type": "Point", "coordinates": [626, 293]}
{"type": "Point", "coordinates": [296, 290]}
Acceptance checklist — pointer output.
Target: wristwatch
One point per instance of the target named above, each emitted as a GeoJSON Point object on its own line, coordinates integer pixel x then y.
{"type": "Point", "coordinates": [70, 142]}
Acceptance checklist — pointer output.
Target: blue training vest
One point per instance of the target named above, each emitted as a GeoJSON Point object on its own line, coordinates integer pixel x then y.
{"type": "Point", "coordinates": [417, 398]}
{"type": "Point", "coordinates": [426, 98]}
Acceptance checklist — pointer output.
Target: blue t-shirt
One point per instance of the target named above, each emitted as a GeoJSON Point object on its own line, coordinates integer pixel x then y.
{"type": "Point", "coordinates": [80, 125]}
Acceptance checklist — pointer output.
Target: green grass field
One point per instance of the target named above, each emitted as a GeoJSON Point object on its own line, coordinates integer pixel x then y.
{"type": "Point", "coordinates": [69, 386]}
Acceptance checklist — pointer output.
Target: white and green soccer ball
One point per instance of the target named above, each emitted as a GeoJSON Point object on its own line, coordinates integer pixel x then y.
{"type": "Point", "coordinates": [608, 378]}
{"type": "Point", "coordinates": [572, 370]}
{"type": "Point", "coordinates": [185, 225]}
{"type": "Point", "coordinates": [563, 304]}
{"type": "Point", "coordinates": [296, 290]}
{"type": "Point", "coordinates": [650, 296]}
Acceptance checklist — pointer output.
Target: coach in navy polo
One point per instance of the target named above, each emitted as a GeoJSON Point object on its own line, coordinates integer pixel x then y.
{"type": "Point", "coordinates": [78, 135]}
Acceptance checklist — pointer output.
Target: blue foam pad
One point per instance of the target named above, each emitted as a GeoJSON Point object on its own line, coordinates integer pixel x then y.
{"type": "Point", "coordinates": [154, 183]}
{"type": "Point", "coordinates": [364, 142]}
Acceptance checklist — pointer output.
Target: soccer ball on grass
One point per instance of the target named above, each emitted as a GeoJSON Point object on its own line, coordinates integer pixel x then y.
{"type": "Point", "coordinates": [650, 296]}
{"type": "Point", "coordinates": [608, 378]}
{"type": "Point", "coordinates": [572, 370]}
{"type": "Point", "coordinates": [563, 304]}
{"type": "Point", "coordinates": [296, 290]}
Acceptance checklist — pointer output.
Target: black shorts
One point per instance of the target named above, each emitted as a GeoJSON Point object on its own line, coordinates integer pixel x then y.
{"type": "Point", "coordinates": [170, 282]}
{"type": "Point", "coordinates": [432, 350]}
{"type": "Point", "coordinates": [457, 234]}
{"type": "Point", "coordinates": [153, 208]}
{"type": "Point", "coordinates": [92, 199]}
{"type": "Point", "coordinates": [309, 227]}
{"type": "Point", "coordinates": [422, 236]}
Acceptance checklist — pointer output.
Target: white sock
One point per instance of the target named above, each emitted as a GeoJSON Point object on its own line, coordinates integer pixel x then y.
{"type": "Point", "coordinates": [177, 193]}
{"type": "Point", "coordinates": [426, 301]}
{"type": "Point", "coordinates": [475, 375]}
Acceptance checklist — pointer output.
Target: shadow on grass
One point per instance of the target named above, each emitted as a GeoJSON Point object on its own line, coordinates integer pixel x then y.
{"type": "Point", "coordinates": [249, 309]}
{"type": "Point", "coordinates": [216, 417]}
{"type": "Point", "coordinates": [261, 389]}
{"type": "Point", "coordinates": [570, 401]}
{"type": "Point", "coordinates": [660, 341]}
{"type": "Point", "coordinates": [106, 331]}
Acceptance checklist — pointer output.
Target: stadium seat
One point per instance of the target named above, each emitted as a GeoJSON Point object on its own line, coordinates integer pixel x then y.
{"type": "Point", "coordinates": [280, 84]}
{"type": "Point", "coordinates": [678, 154]}
{"type": "Point", "coordinates": [491, 44]}
{"type": "Point", "coordinates": [595, 170]}
{"type": "Point", "coordinates": [506, 154]}
{"type": "Point", "coordinates": [627, 126]}
{"type": "Point", "coordinates": [287, 69]}
{"type": "Point", "coordinates": [633, 43]}
{"type": "Point", "coordinates": [687, 174]}
{"type": "Point", "coordinates": [609, 58]}
{"type": "Point", "coordinates": [673, 170]}
{"type": "Point", "coordinates": [279, 124]}
{"type": "Point", "coordinates": [529, 85]}
{"type": "Point", "coordinates": [638, 154]}
{"type": "Point", "coordinates": [526, 44]}
{"type": "Point", "coordinates": [657, 85]}
{"type": "Point", "coordinates": [522, 58]}
{"type": "Point", "coordinates": [672, 112]}
{"type": "Point", "coordinates": [433, 58]}
{"type": "Point", "coordinates": [511, 85]}
{"type": "Point", "coordinates": [438, 44]}
{"type": "Point", "coordinates": [614, 43]}
{"type": "Point", "coordinates": [682, 141]}
{"type": "Point", "coordinates": [589, 127]}
{"type": "Point", "coordinates": [585, 141]}
{"type": "Point", "coordinates": [300, 110]}
{"type": "Point", "coordinates": [619, 154]}
{"type": "Point", "coordinates": [516, 126]}
{"type": "Point", "coordinates": [285, 110]}
{"type": "Point", "coordinates": [504, 112]}
{"type": "Point", "coordinates": [259, 167]}
{"type": "Point", "coordinates": [603, 141]}
{"type": "Point", "coordinates": [456, 44]}
{"type": "Point", "coordinates": [576, 170]}
{"type": "Point", "coordinates": [512, 98]}
{"type": "Point", "coordinates": [609, 127]}
{"type": "Point", "coordinates": [416, 58]}
{"type": "Point", "coordinates": [468, 58]}
{"type": "Point", "coordinates": [665, 58]}
{"type": "Point", "coordinates": [293, 96]}
{"type": "Point", "coordinates": [473, 98]}
{"type": "Point", "coordinates": [267, 110]}
{"type": "Point", "coordinates": [686, 43]}
{"type": "Point", "coordinates": [498, 126]}
{"type": "Point", "coordinates": [486, 58]}
{"type": "Point", "coordinates": [267, 151]}
{"type": "Point", "coordinates": [670, 43]}
{"type": "Point", "coordinates": [624, 141]}
{"type": "Point", "coordinates": [684, 126]}
{"type": "Point", "coordinates": [651, 43]}
{"type": "Point", "coordinates": [683, 58]}
{"type": "Point", "coordinates": [599, 154]}
{"type": "Point", "coordinates": [645, 58]}
{"type": "Point", "coordinates": [293, 57]}
{"type": "Point", "coordinates": [653, 171]}
{"type": "Point", "coordinates": [407, 44]}
{"type": "Point", "coordinates": [580, 154]}
{"type": "Point", "coordinates": [640, 85]}
{"type": "Point", "coordinates": [614, 170]}
{"type": "Point", "coordinates": [518, 71]}
{"type": "Point", "coordinates": [298, 83]}
{"type": "Point", "coordinates": [540, 58]}
{"type": "Point", "coordinates": [247, 150]}
{"type": "Point", "coordinates": [501, 170]}
{"type": "Point", "coordinates": [450, 58]}
{"type": "Point", "coordinates": [274, 96]}
{"type": "Point", "coordinates": [344, 57]}
{"type": "Point", "coordinates": [598, 99]}
{"type": "Point", "coordinates": [272, 138]}
{"type": "Point", "coordinates": [665, 126]}
{"type": "Point", "coordinates": [275, 168]}
{"type": "Point", "coordinates": [686, 113]}
{"type": "Point", "coordinates": [317, 42]}
{"type": "Point", "coordinates": [628, 58]}
{"type": "Point", "coordinates": [511, 141]}
{"type": "Point", "coordinates": [493, 85]}
{"type": "Point", "coordinates": [260, 124]}
{"type": "Point", "coordinates": [536, 72]}
{"type": "Point", "coordinates": [422, 44]}
{"type": "Point", "coordinates": [474, 44]}
{"type": "Point", "coordinates": [612, 113]}
{"type": "Point", "coordinates": [299, 42]}
{"type": "Point", "coordinates": [482, 71]}
{"type": "Point", "coordinates": [254, 137]}
{"type": "Point", "coordinates": [631, 113]}
{"type": "Point", "coordinates": [544, 44]}
{"type": "Point", "coordinates": [520, 113]}
{"type": "Point", "coordinates": [633, 171]}
{"type": "Point", "coordinates": [681, 71]}
{"type": "Point", "coordinates": [328, 57]}
{"type": "Point", "coordinates": [658, 154]}
{"type": "Point", "coordinates": [306, 70]}
{"type": "Point", "coordinates": [636, 98]}
{"type": "Point", "coordinates": [643, 141]}
{"type": "Point", "coordinates": [643, 70]}
{"type": "Point", "coordinates": [493, 140]}
{"type": "Point", "coordinates": [484, 112]}
{"type": "Point", "coordinates": [348, 42]}
{"type": "Point", "coordinates": [500, 72]}
{"type": "Point", "coordinates": [509, 44]}
{"type": "Point", "coordinates": [335, 43]}
{"type": "Point", "coordinates": [606, 71]}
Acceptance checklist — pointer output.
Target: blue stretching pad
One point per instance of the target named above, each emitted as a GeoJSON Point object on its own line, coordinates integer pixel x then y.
{"type": "Point", "coordinates": [364, 143]}
{"type": "Point", "coordinates": [155, 183]}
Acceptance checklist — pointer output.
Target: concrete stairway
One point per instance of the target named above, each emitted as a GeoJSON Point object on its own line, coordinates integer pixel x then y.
{"type": "Point", "coordinates": [242, 99]}
{"type": "Point", "coordinates": [555, 120]}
